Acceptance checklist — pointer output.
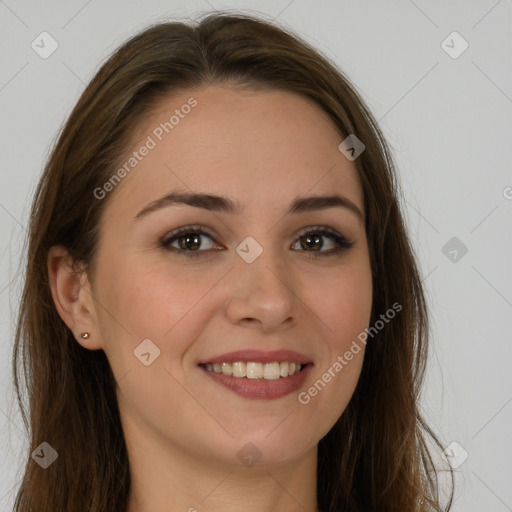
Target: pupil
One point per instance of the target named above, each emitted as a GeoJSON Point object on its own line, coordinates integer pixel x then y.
{"type": "Point", "coordinates": [312, 241]}
{"type": "Point", "coordinates": [186, 239]}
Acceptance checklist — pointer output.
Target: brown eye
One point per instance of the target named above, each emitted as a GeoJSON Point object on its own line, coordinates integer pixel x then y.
{"type": "Point", "coordinates": [187, 241]}
{"type": "Point", "coordinates": [313, 241]}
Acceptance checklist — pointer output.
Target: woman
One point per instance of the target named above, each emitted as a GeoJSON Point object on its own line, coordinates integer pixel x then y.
{"type": "Point", "coordinates": [181, 347]}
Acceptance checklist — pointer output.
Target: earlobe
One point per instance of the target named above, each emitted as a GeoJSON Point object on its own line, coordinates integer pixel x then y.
{"type": "Point", "coordinates": [72, 297]}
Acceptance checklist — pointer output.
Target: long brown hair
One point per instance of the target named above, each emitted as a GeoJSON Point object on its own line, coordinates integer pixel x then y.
{"type": "Point", "coordinates": [376, 456]}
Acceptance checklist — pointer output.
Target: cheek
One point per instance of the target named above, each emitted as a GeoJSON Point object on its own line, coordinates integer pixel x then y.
{"type": "Point", "coordinates": [141, 300]}
{"type": "Point", "coordinates": [342, 300]}
{"type": "Point", "coordinates": [342, 303]}
{"type": "Point", "coordinates": [346, 311]}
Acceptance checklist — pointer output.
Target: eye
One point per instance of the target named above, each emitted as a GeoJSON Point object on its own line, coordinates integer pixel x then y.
{"type": "Point", "coordinates": [187, 241]}
{"type": "Point", "coordinates": [312, 239]}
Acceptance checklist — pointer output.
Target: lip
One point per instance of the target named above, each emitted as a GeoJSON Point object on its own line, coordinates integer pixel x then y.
{"type": "Point", "coordinates": [259, 356]}
{"type": "Point", "coordinates": [259, 389]}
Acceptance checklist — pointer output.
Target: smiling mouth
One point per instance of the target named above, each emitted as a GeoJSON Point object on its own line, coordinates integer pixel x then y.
{"type": "Point", "coordinates": [255, 370]}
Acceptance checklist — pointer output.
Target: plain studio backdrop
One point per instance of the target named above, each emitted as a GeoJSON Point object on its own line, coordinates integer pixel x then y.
{"type": "Point", "coordinates": [438, 78]}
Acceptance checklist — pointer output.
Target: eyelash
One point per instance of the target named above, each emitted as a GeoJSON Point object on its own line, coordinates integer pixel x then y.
{"type": "Point", "coordinates": [343, 243]}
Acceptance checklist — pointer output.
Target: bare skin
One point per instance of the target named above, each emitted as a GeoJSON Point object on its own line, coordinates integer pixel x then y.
{"type": "Point", "coordinates": [183, 430]}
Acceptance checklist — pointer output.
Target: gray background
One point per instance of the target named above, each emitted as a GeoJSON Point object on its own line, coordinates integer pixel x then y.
{"type": "Point", "coordinates": [448, 121]}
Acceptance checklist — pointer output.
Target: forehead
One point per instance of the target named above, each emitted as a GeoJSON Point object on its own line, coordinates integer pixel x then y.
{"type": "Point", "coordinates": [261, 147]}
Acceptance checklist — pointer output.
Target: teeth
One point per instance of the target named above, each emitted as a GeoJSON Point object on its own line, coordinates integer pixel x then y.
{"type": "Point", "coordinates": [271, 371]}
{"type": "Point", "coordinates": [253, 370]}
{"type": "Point", "coordinates": [227, 369]}
{"type": "Point", "coordinates": [239, 369]}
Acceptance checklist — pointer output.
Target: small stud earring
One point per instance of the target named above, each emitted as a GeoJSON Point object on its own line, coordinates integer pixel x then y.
{"type": "Point", "coordinates": [84, 335]}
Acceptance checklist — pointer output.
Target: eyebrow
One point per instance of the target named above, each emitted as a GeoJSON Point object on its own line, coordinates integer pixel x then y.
{"type": "Point", "coordinates": [222, 204]}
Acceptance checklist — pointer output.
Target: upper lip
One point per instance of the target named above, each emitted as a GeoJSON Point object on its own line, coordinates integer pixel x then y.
{"type": "Point", "coordinates": [259, 356]}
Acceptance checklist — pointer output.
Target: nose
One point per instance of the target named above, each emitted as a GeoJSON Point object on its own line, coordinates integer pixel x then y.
{"type": "Point", "coordinates": [263, 293]}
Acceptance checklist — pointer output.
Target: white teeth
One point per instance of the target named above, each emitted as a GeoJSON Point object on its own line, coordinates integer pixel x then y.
{"type": "Point", "coordinates": [227, 369]}
{"type": "Point", "coordinates": [239, 369]}
{"type": "Point", "coordinates": [253, 370]}
{"type": "Point", "coordinates": [271, 371]}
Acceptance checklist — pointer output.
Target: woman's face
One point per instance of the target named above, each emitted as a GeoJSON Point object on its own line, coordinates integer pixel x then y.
{"type": "Point", "coordinates": [252, 281]}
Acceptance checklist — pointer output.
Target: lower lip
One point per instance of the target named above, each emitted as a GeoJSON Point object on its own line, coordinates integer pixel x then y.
{"type": "Point", "coordinates": [260, 388]}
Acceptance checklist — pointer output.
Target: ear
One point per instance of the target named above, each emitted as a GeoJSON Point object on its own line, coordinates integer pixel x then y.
{"type": "Point", "coordinates": [72, 295]}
